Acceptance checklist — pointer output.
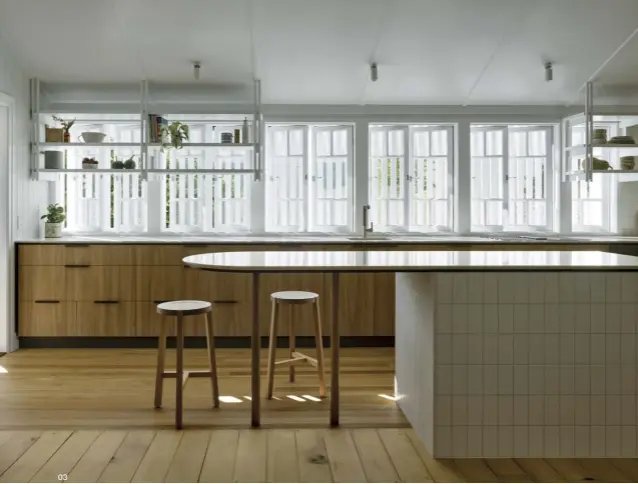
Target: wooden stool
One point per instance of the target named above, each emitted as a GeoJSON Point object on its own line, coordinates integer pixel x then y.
{"type": "Point", "coordinates": [181, 309]}
{"type": "Point", "coordinates": [293, 298]}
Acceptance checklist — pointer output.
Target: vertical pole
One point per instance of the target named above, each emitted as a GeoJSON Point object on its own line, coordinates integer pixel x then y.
{"type": "Point", "coordinates": [255, 346]}
{"type": "Point", "coordinates": [334, 338]}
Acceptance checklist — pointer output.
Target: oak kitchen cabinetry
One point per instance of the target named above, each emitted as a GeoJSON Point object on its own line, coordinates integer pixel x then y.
{"type": "Point", "coordinates": [112, 290]}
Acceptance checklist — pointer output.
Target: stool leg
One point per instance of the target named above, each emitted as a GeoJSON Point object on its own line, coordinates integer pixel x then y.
{"type": "Point", "coordinates": [319, 344]}
{"type": "Point", "coordinates": [212, 362]}
{"type": "Point", "coordinates": [272, 348]}
{"type": "Point", "coordinates": [161, 357]}
{"type": "Point", "coordinates": [291, 340]}
{"type": "Point", "coordinates": [179, 372]}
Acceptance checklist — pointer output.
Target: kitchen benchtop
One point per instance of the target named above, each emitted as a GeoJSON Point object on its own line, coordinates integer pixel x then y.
{"type": "Point", "coordinates": [327, 239]}
{"type": "Point", "coordinates": [412, 261]}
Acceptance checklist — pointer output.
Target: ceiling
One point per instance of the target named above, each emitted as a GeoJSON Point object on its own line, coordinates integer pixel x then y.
{"type": "Point", "coordinates": [442, 52]}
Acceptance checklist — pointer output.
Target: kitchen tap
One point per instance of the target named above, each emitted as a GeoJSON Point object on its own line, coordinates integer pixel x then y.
{"type": "Point", "coordinates": [365, 222]}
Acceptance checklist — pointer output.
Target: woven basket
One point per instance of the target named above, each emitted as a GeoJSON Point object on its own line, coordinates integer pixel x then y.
{"type": "Point", "coordinates": [53, 135]}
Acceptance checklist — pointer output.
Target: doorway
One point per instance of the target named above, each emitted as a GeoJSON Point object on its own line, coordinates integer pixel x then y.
{"type": "Point", "coordinates": [8, 341]}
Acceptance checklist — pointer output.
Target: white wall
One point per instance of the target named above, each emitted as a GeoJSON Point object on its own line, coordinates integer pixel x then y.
{"type": "Point", "coordinates": [26, 196]}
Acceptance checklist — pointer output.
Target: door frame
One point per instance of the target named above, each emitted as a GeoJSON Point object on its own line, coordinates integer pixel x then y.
{"type": "Point", "coordinates": [8, 337]}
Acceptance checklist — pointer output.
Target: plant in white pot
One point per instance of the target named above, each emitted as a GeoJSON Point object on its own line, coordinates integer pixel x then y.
{"type": "Point", "coordinates": [55, 217]}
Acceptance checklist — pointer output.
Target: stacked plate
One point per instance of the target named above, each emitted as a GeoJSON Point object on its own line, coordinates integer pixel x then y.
{"type": "Point", "coordinates": [600, 136]}
{"type": "Point", "coordinates": [627, 162]}
{"type": "Point", "coordinates": [621, 140]}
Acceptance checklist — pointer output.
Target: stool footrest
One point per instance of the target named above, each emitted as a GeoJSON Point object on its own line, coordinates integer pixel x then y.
{"type": "Point", "coordinates": [298, 358]}
{"type": "Point", "coordinates": [192, 374]}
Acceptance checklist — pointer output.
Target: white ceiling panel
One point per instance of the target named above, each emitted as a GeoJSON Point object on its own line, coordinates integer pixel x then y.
{"type": "Point", "coordinates": [318, 51]}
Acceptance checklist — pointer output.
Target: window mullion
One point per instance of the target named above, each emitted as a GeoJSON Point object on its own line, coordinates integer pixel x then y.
{"type": "Point", "coordinates": [506, 179]}
{"type": "Point", "coordinates": [408, 181]}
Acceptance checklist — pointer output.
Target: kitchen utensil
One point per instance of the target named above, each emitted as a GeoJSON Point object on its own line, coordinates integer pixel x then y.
{"type": "Point", "coordinates": [621, 140]}
{"type": "Point", "coordinates": [92, 137]}
{"type": "Point", "coordinates": [227, 137]}
{"type": "Point", "coordinates": [627, 162]}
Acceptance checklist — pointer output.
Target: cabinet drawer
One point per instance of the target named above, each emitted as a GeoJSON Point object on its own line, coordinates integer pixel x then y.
{"type": "Point", "coordinates": [158, 255]}
{"type": "Point", "coordinates": [101, 255]}
{"type": "Point", "coordinates": [93, 283]}
{"type": "Point", "coordinates": [47, 319]}
{"type": "Point", "coordinates": [105, 319]}
{"type": "Point", "coordinates": [42, 283]}
{"type": "Point", "coordinates": [159, 283]}
{"type": "Point", "coordinates": [41, 255]}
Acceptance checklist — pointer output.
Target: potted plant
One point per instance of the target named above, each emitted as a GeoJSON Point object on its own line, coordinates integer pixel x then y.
{"type": "Point", "coordinates": [66, 126]}
{"type": "Point", "coordinates": [89, 164]}
{"type": "Point", "coordinates": [130, 163]}
{"type": "Point", "coordinates": [177, 132]}
{"type": "Point", "coordinates": [55, 217]}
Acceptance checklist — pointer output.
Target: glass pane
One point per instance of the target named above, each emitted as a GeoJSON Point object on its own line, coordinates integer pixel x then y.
{"type": "Point", "coordinates": [538, 143]}
{"type": "Point", "coordinates": [439, 143]}
{"type": "Point", "coordinates": [494, 143]}
{"type": "Point", "coordinates": [323, 143]}
{"type": "Point", "coordinates": [296, 138]}
{"type": "Point", "coordinates": [421, 143]}
{"type": "Point", "coordinates": [477, 140]}
{"type": "Point", "coordinates": [377, 143]}
{"type": "Point", "coordinates": [395, 143]}
{"type": "Point", "coordinates": [518, 143]}
{"type": "Point", "coordinates": [280, 142]}
{"type": "Point", "coordinates": [340, 142]}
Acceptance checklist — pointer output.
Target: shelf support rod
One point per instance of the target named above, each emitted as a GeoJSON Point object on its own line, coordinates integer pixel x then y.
{"type": "Point", "coordinates": [589, 130]}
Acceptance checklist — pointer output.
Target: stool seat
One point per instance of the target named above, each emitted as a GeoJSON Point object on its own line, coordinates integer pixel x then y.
{"type": "Point", "coordinates": [294, 296]}
{"type": "Point", "coordinates": [186, 308]}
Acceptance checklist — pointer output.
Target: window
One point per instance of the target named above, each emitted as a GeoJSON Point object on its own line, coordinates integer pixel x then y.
{"type": "Point", "coordinates": [104, 202]}
{"type": "Point", "coordinates": [410, 173]}
{"type": "Point", "coordinates": [206, 202]}
{"type": "Point", "coordinates": [308, 173]}
{"type": "Point", "coordinates": [511, 171]}
{"type": "Point", "coordinates": [591, 208]}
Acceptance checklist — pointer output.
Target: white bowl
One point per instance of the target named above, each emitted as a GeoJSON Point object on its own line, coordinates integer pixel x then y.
{"type": "Point", "coordinates": [92, 137]}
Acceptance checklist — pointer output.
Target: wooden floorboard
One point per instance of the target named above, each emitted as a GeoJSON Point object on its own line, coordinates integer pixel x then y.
{"type": "Point", "coordinates": [99, 389]}
{"type": "Point", "coordinates": [81, 401]}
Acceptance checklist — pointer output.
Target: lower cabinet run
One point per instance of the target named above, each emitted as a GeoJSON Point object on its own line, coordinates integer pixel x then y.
{"type": "Point", "coordinates": [75, 292]}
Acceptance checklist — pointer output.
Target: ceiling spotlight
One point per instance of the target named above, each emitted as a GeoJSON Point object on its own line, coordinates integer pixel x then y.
{"type": "Point", "coordinates": [196, 66]}
{"type": "Point", "coordinates": [374, 72]}
{"type": "Point", "coordinates": [549, 72]}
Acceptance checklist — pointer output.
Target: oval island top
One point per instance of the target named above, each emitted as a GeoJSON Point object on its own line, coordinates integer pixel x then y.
{"type": "Point", "coordinates": [412, 261]}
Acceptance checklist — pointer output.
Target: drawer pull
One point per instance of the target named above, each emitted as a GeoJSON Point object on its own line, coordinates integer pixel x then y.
{"type": "Point", "coordinates": [47, 301]}
{"type": "Point", "coordinates": [190, 246]}
{"type": "Point", "coordinates": [162, 301]}
{"type": "Point", "coordinates": [77, 266]}
{"type": "Point", "coordinates": [106, 302]}
{"type": "Point", "coordinates": [225, 301]}
{"type": "Point", "coordinates": [76, 245]}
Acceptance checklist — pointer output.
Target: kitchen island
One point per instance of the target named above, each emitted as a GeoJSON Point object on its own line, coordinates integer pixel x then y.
{"type": "Point", "coordinates": [498, 354]}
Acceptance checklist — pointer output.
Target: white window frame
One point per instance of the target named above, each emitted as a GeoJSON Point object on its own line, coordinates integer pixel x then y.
{"type": "Point", "coordinates": [409, 160]}
{"type": "Point", "coordinates": [309, 223]}
{"type": "Point", "coordinates": [505, 168]}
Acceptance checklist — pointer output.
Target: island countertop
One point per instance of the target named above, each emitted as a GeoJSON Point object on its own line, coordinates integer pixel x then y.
{"type": "Point", "coordinates": [327, 239]}
{"type": "Point", "coordinates": [412, 261]}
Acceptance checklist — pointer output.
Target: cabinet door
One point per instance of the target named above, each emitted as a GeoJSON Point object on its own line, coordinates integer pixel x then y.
{"type": "Point", "coordinates": [384, 303]}
{"type": "Point", "coordinates": [356, 304]}
{"type": "Point", "coordinates": [37, 283]}
{"type": "Point", "coordinates": [160, 255]}
{"type": "Point", "coordinates": [101, 283]}
{"type": "Point", "coordinates": [47, 319]}
{"type": "Point", "coordinates": [302, 314]}
{"type": "Point", "coordinates": [159, 283]}
{"type": "Point", "coordinates": [102, 319]}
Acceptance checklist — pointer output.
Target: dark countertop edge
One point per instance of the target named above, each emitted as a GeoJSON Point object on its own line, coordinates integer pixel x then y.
{"type": "Point", "coordinates": [387, 243]}
{"type": "Point", "coordinates": [395, 270]}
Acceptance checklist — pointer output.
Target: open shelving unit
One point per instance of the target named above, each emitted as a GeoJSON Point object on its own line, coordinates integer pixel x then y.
{"type": "Point", "coordinates": [579, 150]}
{"type": "Point", "coordinates": [127, 134]}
